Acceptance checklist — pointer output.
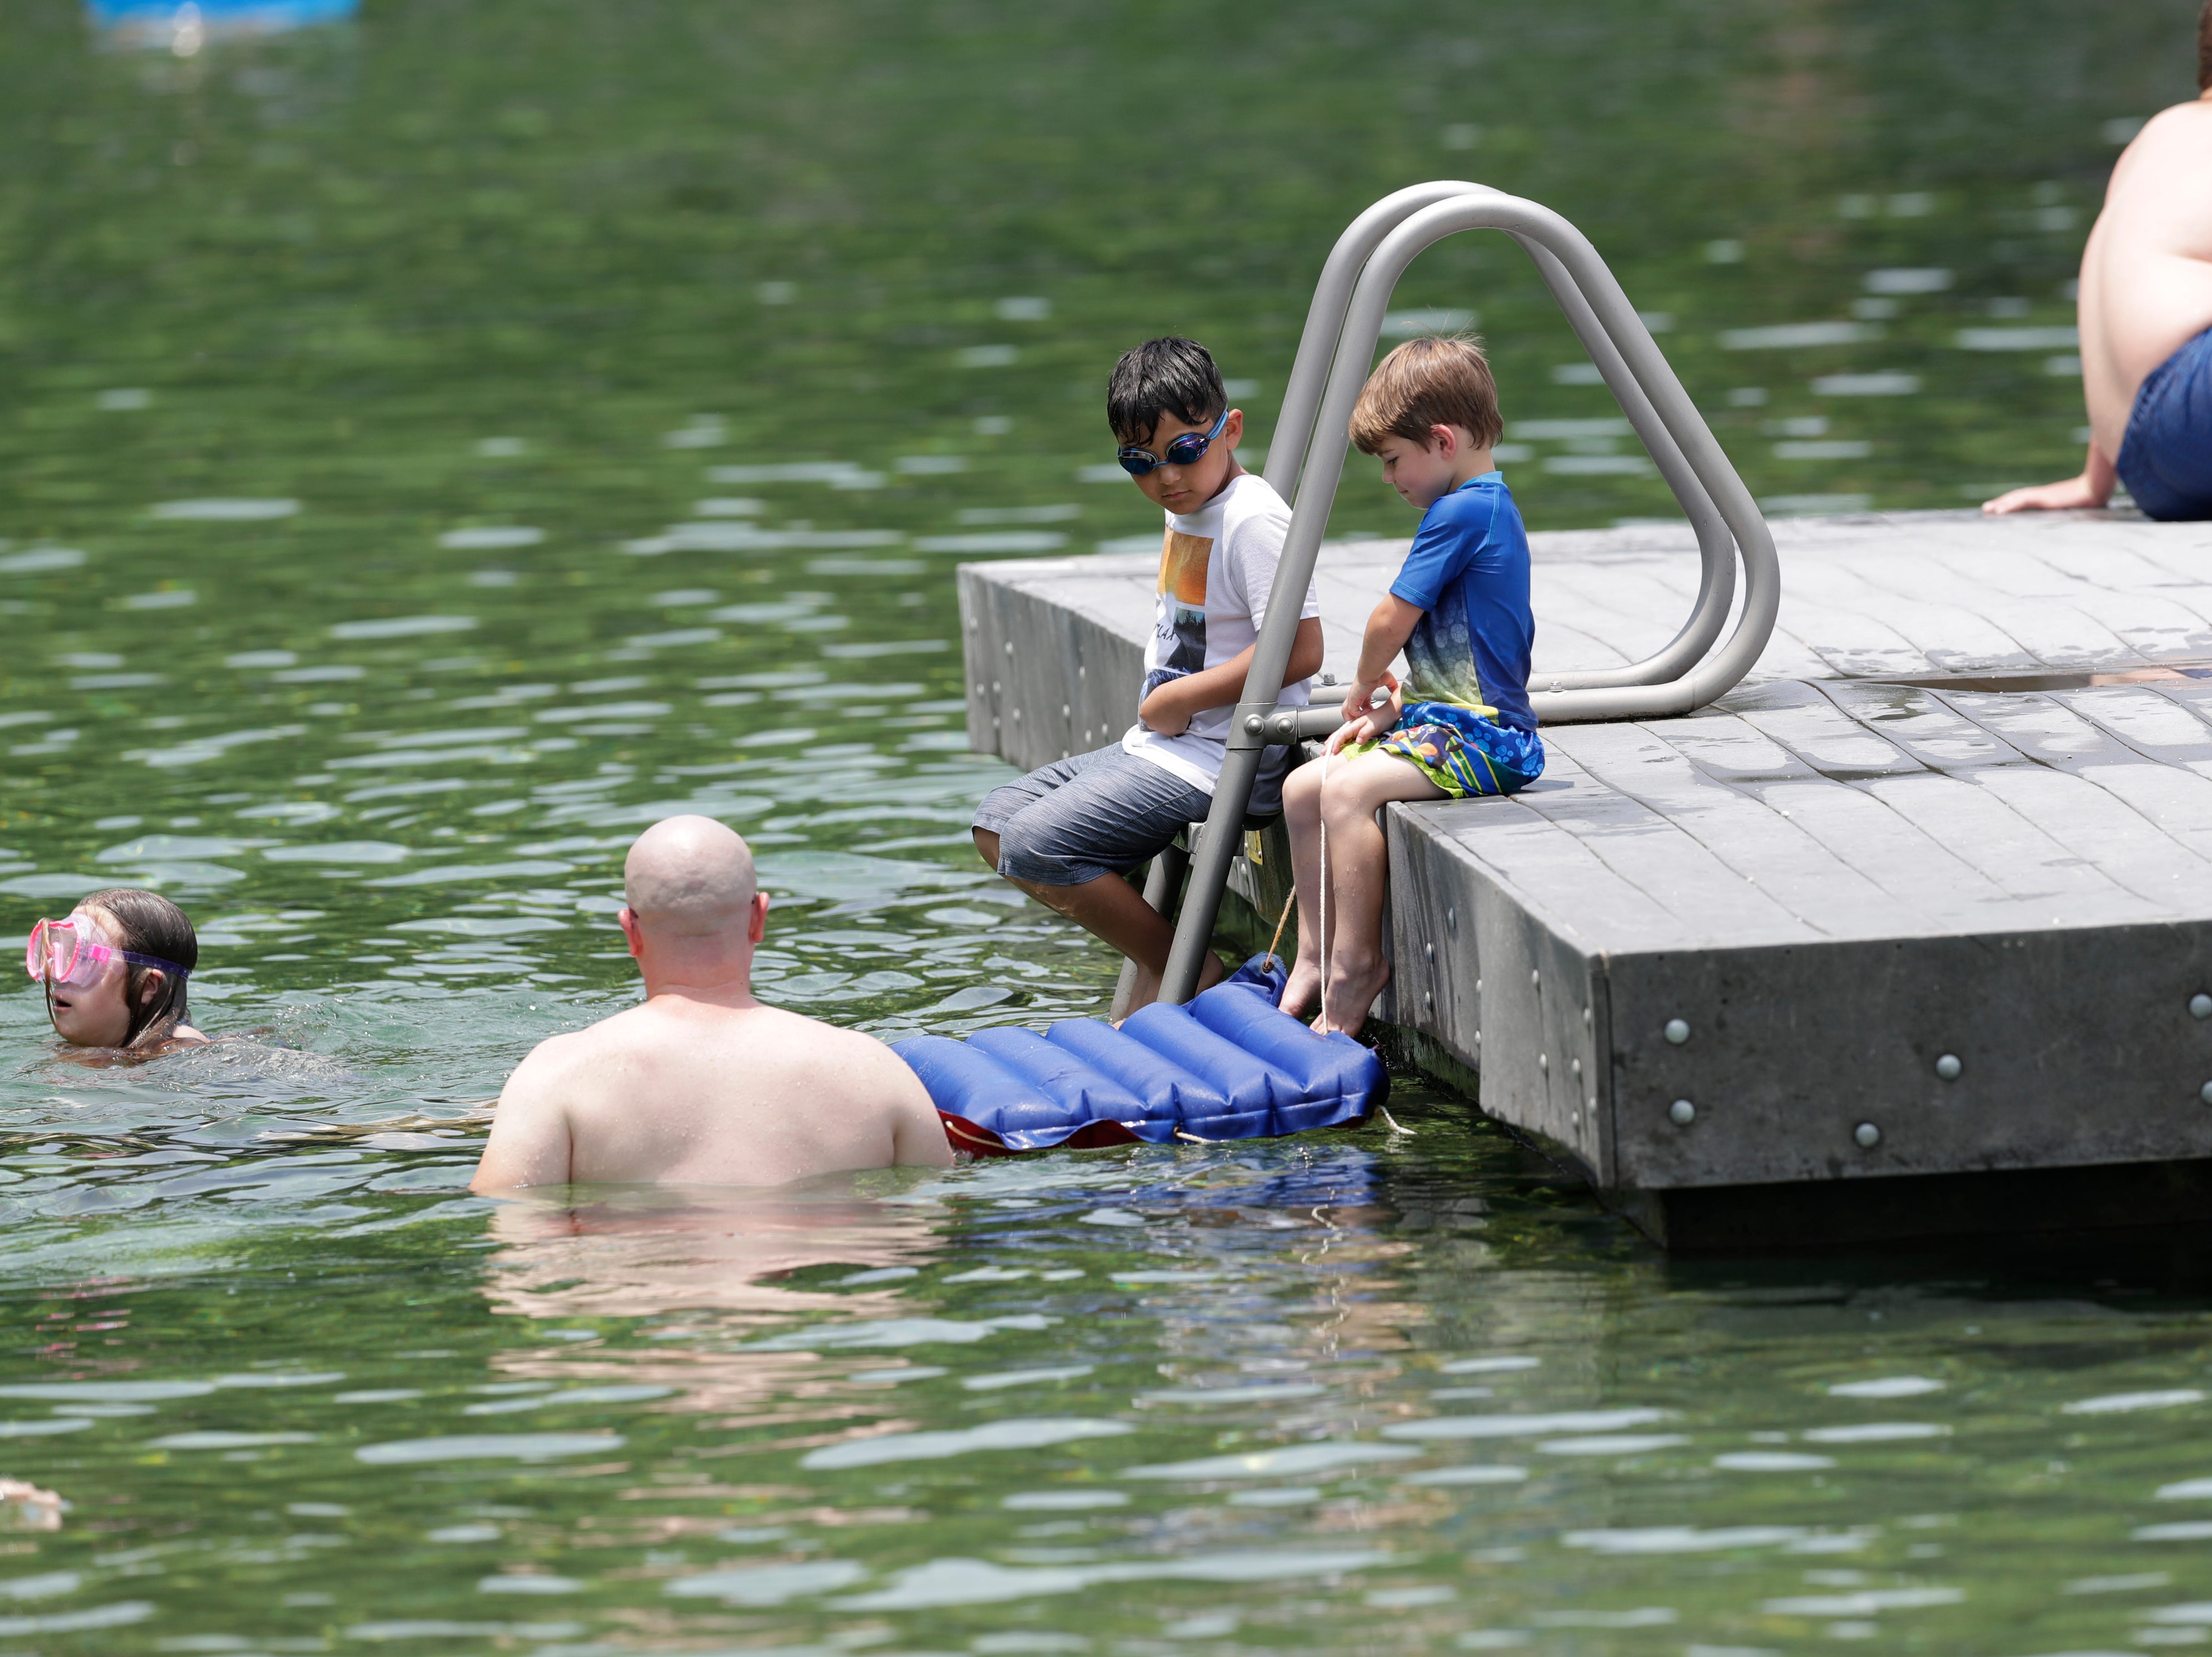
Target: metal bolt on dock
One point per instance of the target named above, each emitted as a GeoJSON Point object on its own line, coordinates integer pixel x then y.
{"type": "Point", "coordinates": [1949, 1067]}
{"type": "Point", "coordinates": [1868, 1135]}
{"type": "Point", "coordinates": [2200, 1006]}
{"type": "Point", "coordinates": [1681, 1113]}
{"type": "Point", "coordinates": [1678, 1030]}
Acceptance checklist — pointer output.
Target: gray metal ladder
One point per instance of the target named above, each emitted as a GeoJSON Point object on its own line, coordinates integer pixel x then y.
{"type": "Point", "coordinates": [1343, 325]}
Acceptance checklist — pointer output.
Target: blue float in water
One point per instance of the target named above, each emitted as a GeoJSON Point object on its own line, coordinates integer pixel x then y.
{"type": "Point", "coordinates": [1231, 1065]}
{"type": "Point", "coordinates": [182, 28]}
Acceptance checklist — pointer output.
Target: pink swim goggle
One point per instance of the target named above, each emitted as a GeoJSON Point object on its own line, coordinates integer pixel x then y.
{"type": "Point", "coordinates": [77, 952]}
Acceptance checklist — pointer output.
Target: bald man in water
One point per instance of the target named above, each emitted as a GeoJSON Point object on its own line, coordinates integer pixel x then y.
{"type": "Point", "coordinates": [2145, 314]}
{"type": "Point", "coordinates": [701, 1085]}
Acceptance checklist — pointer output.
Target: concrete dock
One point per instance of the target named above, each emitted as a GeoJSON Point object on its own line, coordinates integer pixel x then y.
{"type": "Point", "coordinates": [1910, 933]}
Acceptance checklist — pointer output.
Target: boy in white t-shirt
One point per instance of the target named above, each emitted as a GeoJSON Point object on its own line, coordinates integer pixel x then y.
{"type": "Point", "coordinates": [1066, 832]}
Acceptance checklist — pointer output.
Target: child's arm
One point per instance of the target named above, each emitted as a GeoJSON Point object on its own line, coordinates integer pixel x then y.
{"type": "Point", "coordinates": [1388, 629]}
{"type": "Point", "coordinates": [2093, 488]}
{"type": "Point", "coordinates": [1170, 709]}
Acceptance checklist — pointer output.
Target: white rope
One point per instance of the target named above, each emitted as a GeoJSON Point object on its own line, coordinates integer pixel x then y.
{"type": "Point", "coordinates": [1322, 897]}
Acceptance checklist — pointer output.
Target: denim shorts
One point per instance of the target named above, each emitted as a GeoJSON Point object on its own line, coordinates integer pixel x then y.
{"type": "Point", "coordinates": [1098, 813]}
{"type": "Point", "coordinates": [2165, 458]}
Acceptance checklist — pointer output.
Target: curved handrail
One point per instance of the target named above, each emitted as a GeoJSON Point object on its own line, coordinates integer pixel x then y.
{"type": "Point", "coordinates": [1646, 383]}
{"type": "Point", "coordinates": [1339, 273]}
{"type": "Point", "coordinates": [1290, 444]}
{"type": "Point", "coordinates": [1379, 245]}
{"type": "Point", "coordinates": [1717, 547]}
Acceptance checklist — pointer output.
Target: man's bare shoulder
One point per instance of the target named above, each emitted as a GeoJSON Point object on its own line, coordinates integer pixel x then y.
{"type": "Point", "coordinates": [772, 1037]}
{"type": "Point", "coordinates": [575, 1051]}
{"type": "Point", "coordinates": [574, 1046]}
{"type": "Point", "coordinates": [811, 1040]}
{"type": "Point", "coordinates": [2180, 136]}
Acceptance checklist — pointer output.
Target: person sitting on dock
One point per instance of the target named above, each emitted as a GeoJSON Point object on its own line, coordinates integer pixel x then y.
{"type": "Point", "coordinates": [1066, 832]}
{"type": "Point", "coordinates": [702, 1085]}
{"type": "Point", "coordinates": [2146, 322]}
{"type": "Point", "coordinates": [1459, 609]}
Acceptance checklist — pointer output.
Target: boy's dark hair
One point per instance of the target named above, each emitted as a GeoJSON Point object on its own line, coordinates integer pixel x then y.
{"type": "Point", "coordinates": [1172, 375]}
{"type": "Point", "coordinates": [2204, 49]}
{"type": "Point", "coordinates": [1425, 383]}
{"type": "Point", "coordinates": [147, 923]}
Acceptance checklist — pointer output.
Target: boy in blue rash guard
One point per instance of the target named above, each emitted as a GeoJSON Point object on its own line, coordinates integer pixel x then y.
{"type": "Point", "coordinates": [1459, 609]}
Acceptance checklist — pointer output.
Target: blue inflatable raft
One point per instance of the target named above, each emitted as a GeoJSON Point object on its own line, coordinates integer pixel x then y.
{"type": "Point", "coordinates": [1230, 1065]}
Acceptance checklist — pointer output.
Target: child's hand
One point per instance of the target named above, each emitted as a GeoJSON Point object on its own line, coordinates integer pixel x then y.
{"type": "Point", "coordinates": [1357, 700]}
{"type": "Point", "coordinates": [1162, 710]}
{"type": "Point", "coordinates": [1374, 723]}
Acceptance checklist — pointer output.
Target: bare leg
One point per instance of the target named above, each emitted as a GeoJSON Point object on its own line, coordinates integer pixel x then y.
{"type": "Point", "coordinates": [1302, 817]}
{"type": "Point", "coordinates": [1111, 909]}
{"type": "Point", "coordinates": [1358, 867]}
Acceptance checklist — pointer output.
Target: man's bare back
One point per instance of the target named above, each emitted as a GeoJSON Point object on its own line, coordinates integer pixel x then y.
{"type": "Point", "coordinates": [2147, 272]}
{"type": "Point", "coordinates": [2146, 288]}
{"type": "Point", "coordinates": [701, 1084]}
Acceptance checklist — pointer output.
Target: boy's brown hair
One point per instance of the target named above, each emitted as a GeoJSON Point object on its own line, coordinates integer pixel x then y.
{"type": "Point", "coordinates": [1442, 382]}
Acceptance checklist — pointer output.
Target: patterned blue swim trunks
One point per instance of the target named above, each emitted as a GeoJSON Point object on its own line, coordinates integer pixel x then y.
{"type": "Point", "coordinates": [1459, 751]}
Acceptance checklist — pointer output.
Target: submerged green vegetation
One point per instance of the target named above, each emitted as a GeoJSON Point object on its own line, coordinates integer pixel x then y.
{"type": "Point", "coordinates": [439, 445]}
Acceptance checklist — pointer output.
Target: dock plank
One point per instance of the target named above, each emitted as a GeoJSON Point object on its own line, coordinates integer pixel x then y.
{"type": "Point", "coordinates": [1938, 889]}
{"type": "Point", "coordinates": [1923, 725]}
{"type": "Point", "coordinates": [2055, 885]}
{"type": "Point", "coordinates": [2097, 827]}
{"type": "Point", "coordinates": [1811, 726]}
{"type": "Point", "coordinates": [1660, 858]}
{"type": "Point", "coordinates": [1565, 881]}
{"type": "Point", "coordinates": [2144, 718]}
{"type": "Point", "coordinates": [1945, 634]}
{"type": "Point", "coordinates": [1757, 846]}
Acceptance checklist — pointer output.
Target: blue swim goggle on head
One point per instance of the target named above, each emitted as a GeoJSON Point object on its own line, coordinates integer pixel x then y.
{"type": "Point", "coordinates": [1186, 450]}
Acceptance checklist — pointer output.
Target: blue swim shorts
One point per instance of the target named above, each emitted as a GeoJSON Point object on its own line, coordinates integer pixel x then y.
{"type": "Point", "coordinates": [1098, 813]}
{"type": "Point", "coordinates": [2165, 458]}
{"type": "Point", "coordinates": [1460, 751]}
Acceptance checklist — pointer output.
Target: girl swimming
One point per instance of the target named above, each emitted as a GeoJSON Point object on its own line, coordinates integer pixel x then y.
{"type": "Point", "coordinates": [115, 971]}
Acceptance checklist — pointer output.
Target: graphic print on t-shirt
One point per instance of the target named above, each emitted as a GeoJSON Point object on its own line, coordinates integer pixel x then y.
{"type": "Point", "coordinates": [1182, 624]}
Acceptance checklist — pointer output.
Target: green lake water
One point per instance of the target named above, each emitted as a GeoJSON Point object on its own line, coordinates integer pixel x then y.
{"type": "Point", "coordinates": [436, 446]}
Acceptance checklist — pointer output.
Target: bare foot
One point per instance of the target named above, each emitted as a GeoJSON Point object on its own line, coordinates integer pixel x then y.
{"type": "Point", "coordinates": [1302, 990]}
{"type": "Point", "coordinates": [1352, 993]}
